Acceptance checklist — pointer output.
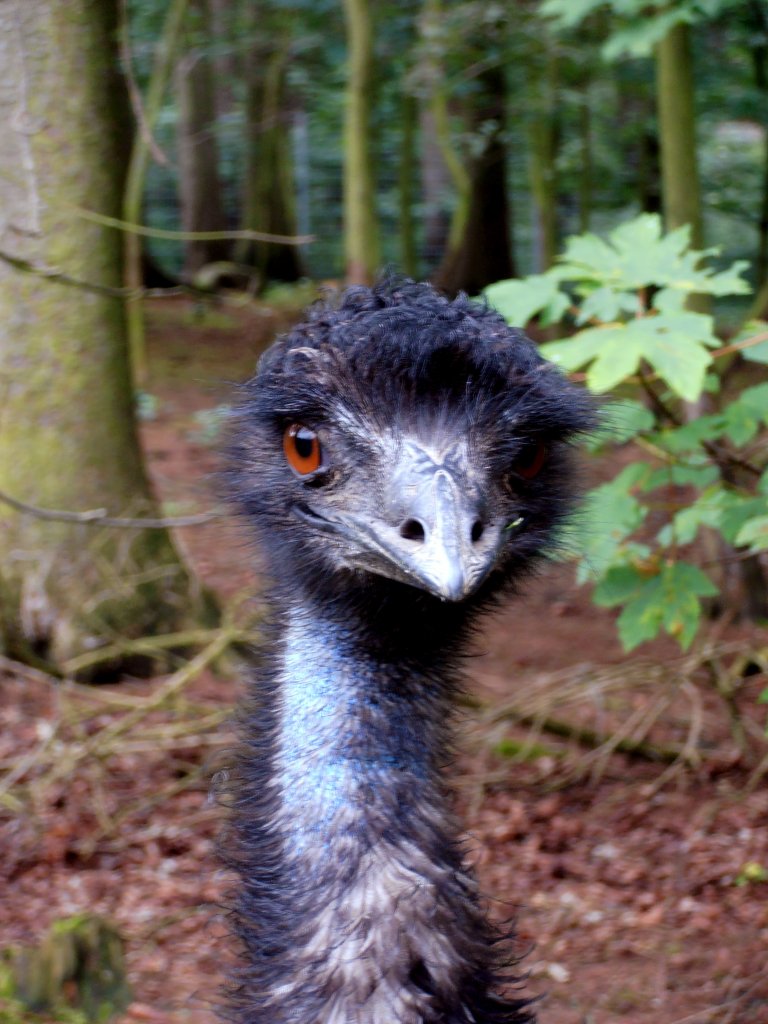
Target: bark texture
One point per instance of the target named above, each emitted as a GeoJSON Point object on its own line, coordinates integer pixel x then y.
{"type": "Point", "coordinates": [67, 432]}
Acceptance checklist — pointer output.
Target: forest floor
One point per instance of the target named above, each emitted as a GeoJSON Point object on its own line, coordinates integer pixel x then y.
{"type": "Point", "coordinates": [638, 886]}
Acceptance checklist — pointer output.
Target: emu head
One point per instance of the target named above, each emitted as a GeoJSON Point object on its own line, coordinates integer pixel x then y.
{"type": "Point", "coordinates": [399, 436]}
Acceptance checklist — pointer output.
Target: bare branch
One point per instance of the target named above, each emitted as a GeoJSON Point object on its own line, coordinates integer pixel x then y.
{"type": "Point", "coordinates": [99, 517]}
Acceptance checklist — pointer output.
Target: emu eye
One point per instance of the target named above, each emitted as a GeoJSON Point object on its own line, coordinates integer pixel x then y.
{"type": "Point", "coordinates": [531, 459]}
{"type": "Point", "coordinates": [302, 449]}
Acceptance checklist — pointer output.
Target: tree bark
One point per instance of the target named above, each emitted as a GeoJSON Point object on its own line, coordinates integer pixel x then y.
{"type": "Point", "coordinates": [199, 185]}
{"type": "Point", "coordinates": [484, 252]}
{"type": "Point", "coordinates": [361, 243]}
{"type": "Point", "coordinates": [67, 433]}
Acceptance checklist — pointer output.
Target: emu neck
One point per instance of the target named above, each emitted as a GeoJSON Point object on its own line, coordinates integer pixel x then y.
{"type": "Point", "coordinates": [359, 734]}
{"type": "Point", "coordinates": [355, 908]}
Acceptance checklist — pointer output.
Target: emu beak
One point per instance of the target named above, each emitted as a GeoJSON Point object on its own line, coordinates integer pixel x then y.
{"type": "Point", "coordinates": [436, 545]}
{"type": "Point", "coordinates": [439, 540]}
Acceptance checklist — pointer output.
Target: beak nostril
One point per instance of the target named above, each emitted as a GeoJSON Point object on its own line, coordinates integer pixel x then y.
{"type": "Point", "coordinates": [412, 529]}
{"type": "Point", "coordinates": [477, 531]}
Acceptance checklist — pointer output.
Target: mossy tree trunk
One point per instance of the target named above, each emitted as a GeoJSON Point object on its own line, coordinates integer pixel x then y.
{"type": "Point", "coordinates": [677, 132]}
{"type": "Point", "coordinates": [198, 151]}
{"type": "Point", "coordinates": [361, 243]}
{"type": "Point", "coordinates": [67, 433]}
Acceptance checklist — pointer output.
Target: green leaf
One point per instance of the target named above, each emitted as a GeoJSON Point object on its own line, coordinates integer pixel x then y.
{"type": "Point", "coordinates": [620, 583]}
{"type": "Point", "coordinates": [639, 39]}
{"type": "Point", "coordinates": [742, 418]}
{"type": "Point", "coordinates": [754, 534]}
{"type": "Point", "coordinates": [723, 510]}
{"type": "Point", "coordinates": [757, 353]}
{"type": "Point", "coordinates": [620, 422]}
{"type": "Point", "coordinates": [705, 511]}
{"type": "Point", "coordinates": [606, 304]}
{"type": "Point", "coordinates": [738, 511]}
{"type": "Point", "coordinates": [610, 514]}
{"type": "Point", "coordinates": [519, 301]}
{"type": "Point", "coordinates": [567, 13]}
{"type": "Point", "coordinates": [677, 358]}
{"type": "Point", "coordinates": [670, 600]}
{"type": "Point", "coordinates": [636, 254]}
{"type": "Point", "coordinates": [688, 438]}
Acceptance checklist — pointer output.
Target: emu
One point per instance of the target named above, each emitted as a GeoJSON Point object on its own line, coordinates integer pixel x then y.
{"type": "Point", "coordinates": [404, 461]}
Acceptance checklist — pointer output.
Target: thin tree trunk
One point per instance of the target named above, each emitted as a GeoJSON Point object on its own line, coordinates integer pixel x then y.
{"type": "Point", "coordinates": [440, 121]}
{"type": "Point", "coordinates": [67, 433]}
{"type": "Point", "coordinates": [199, 184]}
{"type": "Point", "coordinates": [484, 253]}
{"type": "Point", "coordinates": [407, 179]}
{"type": "Point", "coordinates": [225, 65]}
{"type": "Point", "coordinates": [268, 200]}
{"type": "Point", "coordinates": [435, 189]}
{"type": "Point", "coordinates": [586, 183]}
{"type": "Point", "coordinates": [759, 51]}
{"type": "Point", "coordinates": [677, 132]}
{"type": "Point", "coordinates": [542, 151]}
{"type": "Point", "coordinates": [361, 244]}
{"type": "Point", "coordinates": [165, 55]}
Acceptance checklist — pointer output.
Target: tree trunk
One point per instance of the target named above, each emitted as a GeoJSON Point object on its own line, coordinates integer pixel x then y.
{"type": "Point", "coordinates": [677, 133]}
{"type": "Point", "coordinates": [67, 432]}
{"type": "Point", "coordinates": [406, 180]}
{"type": "Point", "coordinates": [268, 201]}
{"type": "Point", "coordinates": [586, 184]}
{"type": "Point", "coordinates": [226, 73]}
{"type": "Point", "coordinates": [435, 189]}
{"type": "Point", "coordinates": [542, 151]}
{"type": "Point", "coordinates": [133, 264]}
{"type": "Point", "coordinates": [199, 185]}
{"type": "Point", "coordinates": [439, 123]}
{"type": "Point", "coordinates": [484, 253]}
{"type": "Point", "coordinates": [361, 243]}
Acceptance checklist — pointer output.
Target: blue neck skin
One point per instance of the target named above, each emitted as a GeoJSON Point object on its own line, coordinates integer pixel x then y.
{"type": "Point", "coordinates": [356, 736]}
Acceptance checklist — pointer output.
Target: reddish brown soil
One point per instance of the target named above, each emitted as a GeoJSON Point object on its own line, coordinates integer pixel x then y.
{"type": "Point", "coordinates": [624, 883]}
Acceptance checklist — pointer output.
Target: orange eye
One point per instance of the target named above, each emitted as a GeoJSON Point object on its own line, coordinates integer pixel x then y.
{"type": "Point", "coordinates": [302, 449]}
{"type": "Point", "coordinates": [531, 460]}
